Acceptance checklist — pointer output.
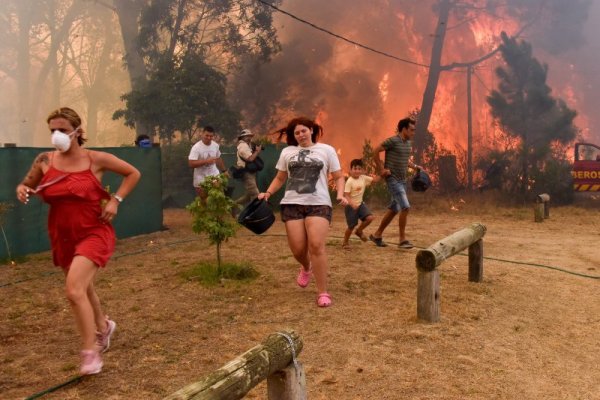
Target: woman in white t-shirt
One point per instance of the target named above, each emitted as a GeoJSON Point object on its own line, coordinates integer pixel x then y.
{"type": "Point", "coordinates": [306, 206]}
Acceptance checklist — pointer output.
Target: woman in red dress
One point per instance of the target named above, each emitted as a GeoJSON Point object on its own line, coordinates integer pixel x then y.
{"type": "Point", "coordinates": [79, 222]}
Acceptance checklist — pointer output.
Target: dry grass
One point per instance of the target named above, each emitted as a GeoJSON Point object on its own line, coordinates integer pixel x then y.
{"type": "Point", "coordinates": [526, 332]}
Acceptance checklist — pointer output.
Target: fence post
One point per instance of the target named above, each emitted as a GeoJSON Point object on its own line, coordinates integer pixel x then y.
{"type": "Point", "coordinates": [427, 260]}
{"type": "Point", "coordinates": [541, 208]}
{"type": "Point", "coordinates": [287, 384]}
{"type": "Point", "coordinates": [545, 198]}
{"type": "Point", "coordinates": [428, 295]}
{"type": "Point", "coordinates": [476, 261]}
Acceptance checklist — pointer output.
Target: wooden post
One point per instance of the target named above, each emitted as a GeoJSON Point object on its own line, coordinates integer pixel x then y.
{"type": "Point", "coordinates": [476, 261]}
{"type": "Point", "coordinates": [541, 208]}
{"type": "Point", "coordinates": [233, 380]}
{"type": "Point", "coordinates": [428, 295]}
{"type": "Point", "coordinates": [431, 257]}
{"type": "Point", "coordinates": [428, 285]}
{"type": "Point", "coordinates": [287, 384]}
{"type": "Point", "coordinates": [544, 198]}
{"type": "Point", "coordinates": [538, 212]}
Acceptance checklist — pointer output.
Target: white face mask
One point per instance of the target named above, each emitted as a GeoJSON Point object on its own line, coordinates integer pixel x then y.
{"type": "Point", "coordinates": [62, 141]}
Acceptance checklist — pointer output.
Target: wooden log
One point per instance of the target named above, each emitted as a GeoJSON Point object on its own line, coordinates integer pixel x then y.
{"type": "Point", "coordinates": [476, 261]}
{"type": "Point", "coordinates": [538, 212]}
{"type": "Point", "coordinates": [233, 380]}
{"type": "Point", "coordinates": [428, 259]}
{"type": "Point", "coordinates": [428, 295]}
{"type": "Point", "coordinates": [287, 384]}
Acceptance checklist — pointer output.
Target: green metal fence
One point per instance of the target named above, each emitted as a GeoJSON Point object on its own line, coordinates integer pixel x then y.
{"type": "Point", "coordinates": [25, 224]}
{"type": "Point", "coordinates": [166, 182]}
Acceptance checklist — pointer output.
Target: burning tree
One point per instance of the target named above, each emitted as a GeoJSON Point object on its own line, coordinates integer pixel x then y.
{"type": "Point", "coordinates": [458, 12]}
{"type": "Point", "coordinates": [525, 109]}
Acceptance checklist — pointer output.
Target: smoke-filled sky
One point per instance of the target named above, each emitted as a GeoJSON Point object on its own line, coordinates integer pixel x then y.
{"type": "Point", "coordinates": [360, 95]}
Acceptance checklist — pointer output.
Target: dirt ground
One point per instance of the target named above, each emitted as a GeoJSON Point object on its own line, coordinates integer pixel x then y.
{"type": "Point", "coordinates": [531, 330]}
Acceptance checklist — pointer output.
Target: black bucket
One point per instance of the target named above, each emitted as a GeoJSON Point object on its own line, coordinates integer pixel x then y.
{"type": "Point", "coordinates": [257, 216]}
{"type": "Point", "coordinates": [421, 181]}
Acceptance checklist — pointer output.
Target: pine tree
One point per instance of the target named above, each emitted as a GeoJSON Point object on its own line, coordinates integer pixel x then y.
{"type": "Point", "coordinates": [524, 108]}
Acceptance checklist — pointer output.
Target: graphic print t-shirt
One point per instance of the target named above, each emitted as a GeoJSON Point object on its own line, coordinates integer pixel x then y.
{"type": "Point", "coordinates": [200, 151]}
{"type": "Point", "coordinates": [308, 170]}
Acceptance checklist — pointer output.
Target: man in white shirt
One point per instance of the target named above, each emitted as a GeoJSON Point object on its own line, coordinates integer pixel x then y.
{"type": "Point", "coordinates": [205, 158]}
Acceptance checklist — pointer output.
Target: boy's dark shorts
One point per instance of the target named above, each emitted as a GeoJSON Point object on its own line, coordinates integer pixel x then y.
{"type": "Point", "coordinates": [291, 212]}
{"type": "Point", "coordinates": [352, 215]}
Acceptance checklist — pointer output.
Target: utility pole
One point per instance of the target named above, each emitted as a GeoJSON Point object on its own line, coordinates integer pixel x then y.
{"type": "Point", "coordinates": [469, 130]}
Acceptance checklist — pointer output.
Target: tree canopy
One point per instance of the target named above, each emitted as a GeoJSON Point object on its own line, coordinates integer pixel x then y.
{"type": "Point", "coordinates": [181, 98]}
{"type": "Point", "coordinates": [188, 48]}
{"type": "Point", "coordinates": [524, 107]}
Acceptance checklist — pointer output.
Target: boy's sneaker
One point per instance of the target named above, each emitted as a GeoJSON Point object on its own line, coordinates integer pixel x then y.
{"type": "Point", "coordinates": [91, 362]}
{"type": "Point", "coordinates": [405, 244]}
{"type": "Point", "coordinates": [103, 338]}
{"type": "Point", "coordinates": [378, 241]}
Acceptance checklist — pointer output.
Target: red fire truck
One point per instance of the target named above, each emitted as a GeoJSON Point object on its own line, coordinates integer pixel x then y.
{"type": "Point", "coordinates": [586, 168]}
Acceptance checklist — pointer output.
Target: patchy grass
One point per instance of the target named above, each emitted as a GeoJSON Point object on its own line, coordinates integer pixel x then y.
{"type": "Point", "coordinates": [525, 332]}
{"type": "Point", "coordinates": [209, 274]}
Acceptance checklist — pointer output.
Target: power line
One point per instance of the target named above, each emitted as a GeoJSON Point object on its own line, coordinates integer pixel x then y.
{"type": "Point", "coordinates": [481, 81]}
{"type": "Point", "coordinates": [342, 37]}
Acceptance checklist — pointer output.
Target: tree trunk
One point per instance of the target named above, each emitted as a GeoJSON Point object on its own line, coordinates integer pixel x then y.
{"type": "Point", "coordinates": [219, 258]}
{"type": "Point", "coordinates": [435, 70]}
{"type": "Point", "coordinates": [57, 38]}
{"type": "Point", "coordinates": [469, 131]}
{"type": "Point", "coordinates": [96, 88]}
{"type": "Point", "coordinates": [128, 12]}
{"type": "Point", "coordinates": [25, 119]}
{"type": "Point", "coordinates": [448, 181]}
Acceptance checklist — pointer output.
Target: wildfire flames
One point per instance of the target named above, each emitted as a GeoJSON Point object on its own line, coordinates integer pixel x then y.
{"type": "Point", "coordinates": [350, 110]}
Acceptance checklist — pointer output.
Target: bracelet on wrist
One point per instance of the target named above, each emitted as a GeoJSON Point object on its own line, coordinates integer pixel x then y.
{"type": "Point", "coordinates": [118, 198]}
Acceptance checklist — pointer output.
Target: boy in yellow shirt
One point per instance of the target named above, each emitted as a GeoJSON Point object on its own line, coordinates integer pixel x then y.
{"type": "Point", "coordinates": [356, 209]}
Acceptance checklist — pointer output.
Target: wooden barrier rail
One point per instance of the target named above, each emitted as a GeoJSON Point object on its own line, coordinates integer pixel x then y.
{"type": "Point", "coordinates": [427, 260]}
{"type": "Point", "coordinates": [273, 359]}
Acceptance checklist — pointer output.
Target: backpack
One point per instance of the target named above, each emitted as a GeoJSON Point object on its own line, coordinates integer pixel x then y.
{"type": "Point", "coordinates": [254, 166]}
{"type": "Point", "coordinates": [235, 172]}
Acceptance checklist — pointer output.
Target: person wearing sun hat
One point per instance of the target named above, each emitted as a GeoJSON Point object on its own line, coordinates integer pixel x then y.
{"type": "Point", "coordinates": [247, 153]}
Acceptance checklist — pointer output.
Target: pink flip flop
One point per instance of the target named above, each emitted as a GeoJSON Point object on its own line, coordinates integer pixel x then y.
{"type": "Point", "coordinates": [324, 299]}
{"type": "Point", "coordinates": [303, 278]}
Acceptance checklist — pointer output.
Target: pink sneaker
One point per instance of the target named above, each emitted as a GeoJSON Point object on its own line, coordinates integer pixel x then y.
{"type": "Point", "coordinates": [303, 278]}
{"type": "Point", "coordinates": [91, 362]}
{"type": "Point", "coordinates": [103, 338]}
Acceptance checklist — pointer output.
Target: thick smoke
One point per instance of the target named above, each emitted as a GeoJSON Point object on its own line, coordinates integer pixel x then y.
{"type": "Point", "coordinates": [318, 74]}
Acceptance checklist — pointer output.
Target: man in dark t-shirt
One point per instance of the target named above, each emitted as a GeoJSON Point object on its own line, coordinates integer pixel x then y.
{"type": "Point", "coordinates": [394, 170]}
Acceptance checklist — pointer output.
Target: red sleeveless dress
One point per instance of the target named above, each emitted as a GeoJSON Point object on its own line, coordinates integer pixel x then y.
{"type": "Point", "coordinates": [74, 224]}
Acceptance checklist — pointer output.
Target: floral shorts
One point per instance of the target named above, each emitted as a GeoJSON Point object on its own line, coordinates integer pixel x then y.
{"type": "Point", "coordinates": [291, 212]}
